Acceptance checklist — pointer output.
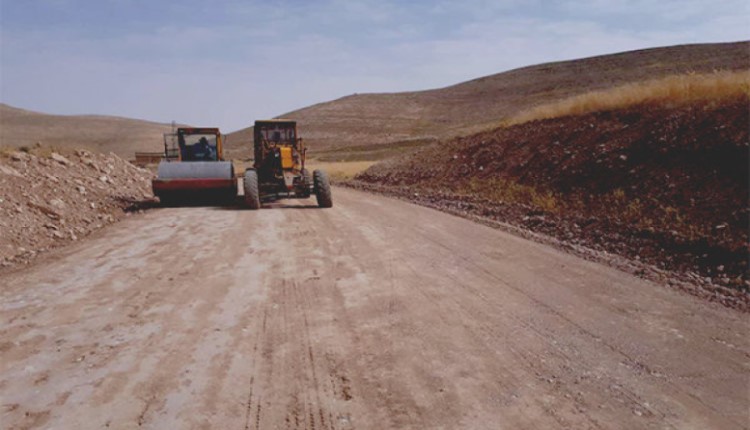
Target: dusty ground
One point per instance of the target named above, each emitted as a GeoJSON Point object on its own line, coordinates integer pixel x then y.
{"type": "Point", "coordinates": [374, 314]}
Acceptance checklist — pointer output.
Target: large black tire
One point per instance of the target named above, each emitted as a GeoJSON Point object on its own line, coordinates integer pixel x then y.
{"type": "Point", "coordinates": [167, 201]}
{"type": "Point", "coordinates": [252, 193]}
{"type": "Point", "coordinates": [322, 189]}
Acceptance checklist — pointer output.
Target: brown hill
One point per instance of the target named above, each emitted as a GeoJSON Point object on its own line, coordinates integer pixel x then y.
{"type": "Point", "coordinates": [122, 136]}
{"type": "Point", "coordinates": [362, 122]}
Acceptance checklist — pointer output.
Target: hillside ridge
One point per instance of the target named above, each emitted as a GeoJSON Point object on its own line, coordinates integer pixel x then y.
{"type": "Point", "coordinates": [398, 119]}
{"type": "Point", "coordinates": [470, 106]}
{"type": "Point", "coordinates": [102, 133]}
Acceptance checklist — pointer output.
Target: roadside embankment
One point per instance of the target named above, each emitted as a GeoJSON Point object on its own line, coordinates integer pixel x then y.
{"type": "Point", "coordinates": [49, 198]}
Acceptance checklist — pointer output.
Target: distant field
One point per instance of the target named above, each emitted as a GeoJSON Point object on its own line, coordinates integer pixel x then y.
{"type": "Point", "coordinates": [123, 136]}
{"type": "Point", "coordinates": [340, 170]}
{"type": "Point", "coordinates": [372, 152]}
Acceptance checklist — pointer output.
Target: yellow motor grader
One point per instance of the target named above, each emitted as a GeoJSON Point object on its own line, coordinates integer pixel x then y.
{"type": "Point", "coordinates": [279, 167]}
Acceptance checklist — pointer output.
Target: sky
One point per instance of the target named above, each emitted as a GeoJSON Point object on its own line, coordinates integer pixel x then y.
{"type": "Point", "coordinates": [227, 63]}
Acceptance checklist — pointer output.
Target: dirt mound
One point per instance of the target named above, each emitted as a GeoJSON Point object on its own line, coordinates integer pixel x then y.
{"type": "Point", "coordinates": [123, 136]}
{"type": "Point", "coordinates": [667, 185]}
{"type": "Point", "coordinates": [49, 199]}
{"type": "Point", "coordinates": [466, 108]}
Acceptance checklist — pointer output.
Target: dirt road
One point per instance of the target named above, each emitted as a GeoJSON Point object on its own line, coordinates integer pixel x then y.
{"type": "Point", "coordinates": [374, 314]}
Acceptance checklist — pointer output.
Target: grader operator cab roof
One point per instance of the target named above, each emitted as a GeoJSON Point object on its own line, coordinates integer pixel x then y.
{"type": "Point", "coordinates": [273, 133]}
{"type": "Point", "coordinates": [279, 131]}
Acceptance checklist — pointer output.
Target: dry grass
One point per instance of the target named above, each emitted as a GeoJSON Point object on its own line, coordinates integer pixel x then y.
{"type": "Point", "coordinates": [372, 152]}
{"type": "Point", "coordinates": [615, 205]}
{"type": "Point", "coordinates": [502, 190]}
{"type": "Point", "coordinates": [6, 151]}
{"type": "Point", "coordinates": [675, 90]}
{"type": "Point", "coordinates": [37, 149]}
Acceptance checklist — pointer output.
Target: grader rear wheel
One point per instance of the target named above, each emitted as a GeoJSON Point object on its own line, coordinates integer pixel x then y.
{"type": "Point", "coordinates": [322, 189]}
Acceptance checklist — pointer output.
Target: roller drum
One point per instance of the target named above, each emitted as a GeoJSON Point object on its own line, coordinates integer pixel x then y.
{"type": "Point", "coordinates": [195, 170]}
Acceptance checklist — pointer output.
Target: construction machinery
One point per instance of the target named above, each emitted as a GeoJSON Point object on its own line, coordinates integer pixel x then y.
{"type": "Point", "coordinates": [193, 168]}
{"type": "Point", "coordinates": [279, 167]}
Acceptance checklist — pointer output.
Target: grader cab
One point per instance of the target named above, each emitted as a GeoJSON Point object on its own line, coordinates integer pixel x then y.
{"type": "Point", "coordinates": [279, 168]}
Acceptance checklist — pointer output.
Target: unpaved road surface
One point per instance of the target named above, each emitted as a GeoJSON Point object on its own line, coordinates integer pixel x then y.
{"type": "Point", "coordinates": [374, 314]}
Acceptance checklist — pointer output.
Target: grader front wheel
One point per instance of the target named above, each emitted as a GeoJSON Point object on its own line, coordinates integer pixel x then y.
{"type": "Point", "coordinates": [252, 193]}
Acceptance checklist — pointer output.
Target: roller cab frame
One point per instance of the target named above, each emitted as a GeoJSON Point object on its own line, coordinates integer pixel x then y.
{"type": "Point", "coordinates": [194, 169]}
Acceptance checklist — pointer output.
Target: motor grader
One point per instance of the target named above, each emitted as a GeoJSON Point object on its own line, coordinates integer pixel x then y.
{"type": "Point", "coordinates": [279, 167]}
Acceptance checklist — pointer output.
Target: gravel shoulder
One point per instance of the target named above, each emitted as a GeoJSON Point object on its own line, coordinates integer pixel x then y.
{"type": "Point", "coordinates": [526, 222]}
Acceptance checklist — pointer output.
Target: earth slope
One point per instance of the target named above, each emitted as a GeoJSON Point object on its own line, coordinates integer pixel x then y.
{"type": "Point", "coordinates": [50, 199]}
{"type": "Point", "coordinates": [659, 183]}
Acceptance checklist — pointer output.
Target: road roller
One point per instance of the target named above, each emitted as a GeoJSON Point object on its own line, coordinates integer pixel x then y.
{"type": "Point", "coordinates": [194, 170]}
